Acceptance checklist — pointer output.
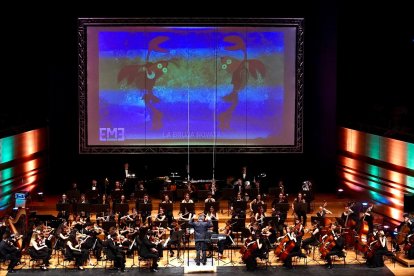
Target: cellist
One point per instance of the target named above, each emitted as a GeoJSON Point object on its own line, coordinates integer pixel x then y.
{"type": "Point", "coordinates": [337, 249]}
{"type": "Point", "coordinates": [406, 227]}
{"type": "Point", "coordinates": [378, 249]}
{"type": "Point", "coordinates": [292, 248]}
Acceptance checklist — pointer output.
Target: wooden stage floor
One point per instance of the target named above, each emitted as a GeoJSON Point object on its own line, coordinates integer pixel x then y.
{"type": "Point", "coordinates": [232, 257]}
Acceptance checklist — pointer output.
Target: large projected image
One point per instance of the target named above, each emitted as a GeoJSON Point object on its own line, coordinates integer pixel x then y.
{"type": "Point", "coordinates": [173, 86]}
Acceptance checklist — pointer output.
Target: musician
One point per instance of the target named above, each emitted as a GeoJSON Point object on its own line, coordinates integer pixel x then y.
{"type": "Point", "coordinates": [73, 193]}
{"type": "Point", "coordinates": [281, 187]}
{"type": "Point", "coordinates": [144, 213]}
{"type": "Point", "coordinates": [9, 251]}
{"type": "Point", "coordinates": [200, 231]}
{"type": "Point", "coordinates": [94, 192]}
{"type": "Point", "coordinates": [252, 252]}
{"type": "Point", "coordinates": [161, 216]}
{"type": "Point", "coordinates": [148, 251]}
{"type": "Point", "coordinates": [39, 250]}
{"type": "Point", "coordinates": [227, 230]}
{"type": "Point", "coordinates": [104, 200]}
{"type": "Point", "coordinates": [63, 214]}
{"type": "Point", "coordinates": [238, 187]}
{"type": "Point", "coordinates": [238, 198]}
{"type": "Point", "coordinates": [378, 248]}
{"type": "Point", "coordinates": [299, 230]}
{"type": "Point", "coordinates": [408, 226]}
{"type": "Point", "coordinates": [256, 202]}
{"type": "Point", "coordinates": [295, 250]}
{"type": "Point", "coordinates": [176, 235]}
{"type": "Point", "coordinates": [347, 213]}
{"type": "Point", "coordinates": [74, 249]}
{"type": "Point", "coordinates": [187, 199]}
{"type": "Point", "coordinates": [91, 241]}
{"type": "Point", "coordinates": [115, 251]}
{"type": "Point", "coordinates": [314, 238]}
{"type": "Point", "coordinates": [337, 250]}
{"type": "Point", "coordinates": [298, 208]}
{"type": "Point", "coordinates": [84, 215]}
{"type": "Point", "coordinates": [213, 216]}
{"type": "Point", "coordinates": [322, 212]}
{"type": "Point", "coordinates": [168, 213]}
{"type": "Point", "coordinates": [260, 216]}
{"type": "Point", "coordinates": [186, 216]}
{"type": "Point", "coordinates": [209, 198]}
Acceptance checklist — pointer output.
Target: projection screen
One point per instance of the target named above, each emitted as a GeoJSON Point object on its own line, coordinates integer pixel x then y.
{"type": "Point", "coordinates": [201, 85]}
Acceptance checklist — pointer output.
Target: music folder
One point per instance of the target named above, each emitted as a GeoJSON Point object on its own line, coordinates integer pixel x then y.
{"type": "Point", "coordinates": [187, 206]}
{"type": "Point", "coordinates": [63, 207]}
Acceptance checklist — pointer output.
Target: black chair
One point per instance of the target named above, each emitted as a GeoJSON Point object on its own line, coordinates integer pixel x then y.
{"type": "Point", "coordinates": [341, 255]}
{"type": "Point", "coordinates": [147, 261]}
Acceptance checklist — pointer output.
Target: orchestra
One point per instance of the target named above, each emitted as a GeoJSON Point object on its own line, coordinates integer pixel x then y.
{"type": "Point", "coordinates": [118, 235]}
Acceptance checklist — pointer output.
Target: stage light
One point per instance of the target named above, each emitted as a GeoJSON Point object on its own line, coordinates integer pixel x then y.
{"type": "Point", "coordinates": [340, 193]}
{"type": "Point", "coordinates": [40, 196]}
{"type": "Point", "coordinates": [364, 204]}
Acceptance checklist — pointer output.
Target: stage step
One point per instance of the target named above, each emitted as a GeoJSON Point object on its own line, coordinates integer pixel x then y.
{"type": "Point", "coordinates": [401, 258]}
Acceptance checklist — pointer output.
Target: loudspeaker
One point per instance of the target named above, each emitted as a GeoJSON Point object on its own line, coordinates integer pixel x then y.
{"type": "Point", "coordinates": [408, 203]}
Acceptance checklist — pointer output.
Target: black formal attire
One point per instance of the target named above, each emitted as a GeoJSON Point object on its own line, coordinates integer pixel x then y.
{"type": "Point", "coordinates": [115, 252]}
{"type": "Point", "coordinates": [9, 252]}
{"type": "Point", "coordinates": [145, 251]}
{"type": "Point", "coordinates": [337, 250]}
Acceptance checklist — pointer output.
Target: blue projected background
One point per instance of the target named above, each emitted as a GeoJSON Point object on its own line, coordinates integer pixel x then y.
{"type": "Point", "coordinates": [201, 85]}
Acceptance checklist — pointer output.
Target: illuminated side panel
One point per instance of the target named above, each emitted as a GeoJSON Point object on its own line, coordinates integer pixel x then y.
{"type": "Point", "coordinates": [371, 167]}
{"type": "Point", "coordinates": [23, 164]}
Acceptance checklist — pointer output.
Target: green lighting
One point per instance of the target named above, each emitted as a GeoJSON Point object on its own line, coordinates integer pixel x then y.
{"type": "Point", "coordinates": [374, 146]}
{"type": "Point", "coordinates": [6, 149]}
{"type": "Point", "coordinates": [410, 156]}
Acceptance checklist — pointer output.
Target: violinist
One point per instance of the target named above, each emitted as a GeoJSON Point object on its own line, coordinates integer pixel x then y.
{"type": "Point", "coordinates": [148, 251]}
{"type": "Point", "coordinates": [9, 251]}
{"type": "Point", "coordinates": [92, 242]}
{"type": "Point", "coordinates": [378, 248]}
{"type": "Point", "coordinates": [39, 250]}
{"type": "Point", "coordinates": [227, 230]}
{"type": "Point", "coordinates": [337, 248]}
{"type": "Point", "coordinates": [176, 235]}
{"type": "Point", "coordinates": [74, 249]}
{"type": "Point", "coordinates": [292, 246]}
{"type": "Point", "coordinates": [299, 230]}
{"type": "Point", "coordinates": [314, 238]}
{"type": "Point", "coordinates": [115, 251]}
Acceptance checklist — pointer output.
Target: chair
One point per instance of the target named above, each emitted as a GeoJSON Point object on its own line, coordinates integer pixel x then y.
{"type": "Point", "coordinates": [296, 259]}
{"type": "Point", "coordinates": [390, 257]}
{"type": "Point", "coordinates": [147, 261]}
{"type": "Point", "coordinates": [340, 255]}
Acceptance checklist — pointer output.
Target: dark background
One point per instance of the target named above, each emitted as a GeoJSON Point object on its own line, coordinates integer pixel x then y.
{"type": "Point", "coordinates": [358, 73]}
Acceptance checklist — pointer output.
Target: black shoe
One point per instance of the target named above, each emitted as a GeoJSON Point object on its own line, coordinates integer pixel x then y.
{"type": "Point", "coordinates": [123, 270]}
{"type": "Point", "coordinates": [329, 266]}
{"type": "Point", "coordinates": [197, 263]}
{"type": "Point", "coordinates": [204, 263]}
{"type": "Point", "coordinates": [171, 254]}
{"type": "Point", "coordinates": [44, 268]}
{"type": "Point", "coordinates": [81, 268]}
{"type": "Point", "coordinates": [154, 270]}
{"type": "Point", "coordinates": [11, 271]}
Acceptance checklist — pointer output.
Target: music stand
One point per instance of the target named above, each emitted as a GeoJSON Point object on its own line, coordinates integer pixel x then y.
{"type": "Point", "coordinates": [140, 194]}
{"type": "Point", "coordinates": [203, 194]}
{"type": "Point", "coordinates": [73, 195]}
{"type": "Point", "coordinates": [83, 207]}
{"type": "Point", "coordinates": [99, 208]}
{"type": "Point", "coordinates": [66, 207]}
{"type": "Point", "coordinates": [116, 195]}
{"type": "Point", "coordinates": [255, 207]}
{"type": "Point", "coordinates": [282, 207]}
{"type": "Point", "coordinates": [241, 205]}
{"type": "Point", "coordinates": [121, 208]}
{"type": "Point", "coordinates": [181, 193]}
{"type": "Point", "coordinates": [166, 207]}
{"type": "Point", "coordinates": [207, 206]}
{"type": "Point", "coordinates": [92, 195]}
{"type": "Point", "coordinates": [108, 224]}
{"type": "Point", "coordinates": [187, 206]}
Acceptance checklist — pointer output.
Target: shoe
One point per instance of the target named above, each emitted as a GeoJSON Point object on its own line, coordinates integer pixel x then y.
{"type": "Point", "coordinates": [44, 268]}
{"type": "Point", "coordinates": [11, 271]}
{"type": "Point", "coordinates": [123, 270]}
{"type": "Point", "coordinates": [154, 270]}
{"type": "Point", "coordinates": [205, 263]}
{"type": "Point", "coordinates": [198, 264]}
{"type": "Point", "coordinates": [81, 268]}
{"type": "Point", "coordinates": [171, 254]}
{"type": "Point", "coordinates": [329, 266]}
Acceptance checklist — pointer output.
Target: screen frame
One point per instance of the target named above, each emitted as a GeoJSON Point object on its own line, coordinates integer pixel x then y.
{"type": "Point", "coordinates": [84, 23]}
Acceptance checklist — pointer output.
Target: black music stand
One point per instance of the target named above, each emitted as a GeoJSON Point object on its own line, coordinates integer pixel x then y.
{"type": "Point", "coordinates": [121, 208]}
{"type": "Point", "coordinates": [241, 205]}
{"type": "Point", "coordinates": [301, 207]}
{"type": "Point", "coordinates": [99, 208]}
{"type": "Point", "coordinates": [92, 195]}
{"type": "Point", "coordinates": [181, 193]}
{"type": "Point", "coordinates": [255, 207]}
{"type": "Point", "coordinates": [66, 207]}
{"type": "Point", "coordinates": [73, 195]}
{"type": "Point", "coordinates": [116, 195]}
{"type": "Point", "coordinates": [140, 194]}
{"type": "Point", "coordinates": [207, 206]}
{"type": "Point", "coordinates": [83, 207]}
{"type": "Point", "coordinates": [145, 207]}
{"type": "Point", "coordinates": [202, 194]}
{"type": "Point", "coordinates": [166, 207]}
{"type": "Point", "coordinates": [187, 206]}
{"type": "Point", "coordinates": [282, 207]}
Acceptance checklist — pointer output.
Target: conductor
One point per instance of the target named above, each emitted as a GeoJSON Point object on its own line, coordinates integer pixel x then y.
{"type": "Point", "coordinates": [200, 232]}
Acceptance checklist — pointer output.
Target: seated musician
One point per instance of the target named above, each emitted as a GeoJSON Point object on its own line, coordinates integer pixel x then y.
{"type": "Point", "coordinates": [252, 252]}
{"type": "Point", "coordinates": [227, 230]}
{"type": "Point", "coordinates": [238, 198]}
{"type": "Point", "coordinates": [39, 250]}
{"type": "Point", "coordinates": [145, 214]}
{"type": "Point", "coordinates": [269, 234]}
{"type": "Point", "coordinates": [314, 238]}
{"type": "Point", "coordinates": [8, 251]}
{"type": "Point", "coordinates": [74, 249]}
{"type": "Point", "coordinates": [213, 216]}
{"type": "Point", "coordinates": [209, 198]}
{"type": "Point", "coordinates": [292, 246]}
{"type": "Point", "coordinates": [368, 217]}
{"type": "Point", "coordinates": [337, 249]}
{"type": "Point", "coordinates": [93, 242]}
{"type": "Point", "coordinates": [62, 235]}
{"type": "Point", "coordinates": [63, 214]}
{"type": "Point", "coordinates": [260, 216]}
{"type": "Point", "coordinates": [176, 235]}
{"type": "Point", "coordinates": [186, 216]}
{"type": "Point", "coordinates": [73, 193]}
{"type": "Point", "coordinates": [298, 208]}
{"type": "Point", "coordinates": [104, 200]}
{"type": "Point", "coordinates": [161, 216]}
{"type": "Point", "coordinates": [187, 199]}
{"type": "Point", "coordinates": [299, 230]}
{"type": "Point", "coordinates": [147, 250]}
{"type": "Point", "coordinates": [322, 212]}
{"type": "Point", "coordinates": [94, 192]}
{"type": "Point", "coordinates": [377, 249]}
{"type": "Point", "coordinates": [168, 213]}
{"type": "Point", "coordinates": [115, 251]}
{"type": "Point", "coordinates": [84, 215]}
{"type": "Point", "coordinates": [403, 230]}
{"type": "Point", "coordinates": [255, 202]}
